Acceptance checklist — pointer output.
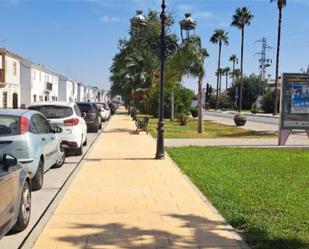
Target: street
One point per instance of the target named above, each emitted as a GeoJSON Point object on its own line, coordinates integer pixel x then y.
{"type": "Point", "coordinates": [41, 200]}
{"type": "Point", "coordinates": [253, 118]}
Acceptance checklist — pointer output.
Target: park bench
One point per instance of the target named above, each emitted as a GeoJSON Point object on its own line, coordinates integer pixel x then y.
{"type": "Point", "coordinates": [141, 125]}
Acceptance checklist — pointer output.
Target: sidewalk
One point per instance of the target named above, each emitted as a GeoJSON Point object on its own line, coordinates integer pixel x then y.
{"type": "Point", "coordinates": [122, 198]}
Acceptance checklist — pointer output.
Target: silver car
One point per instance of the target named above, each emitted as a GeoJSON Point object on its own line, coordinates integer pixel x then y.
{"type": "Point", "coordinates": [15, 192]}
{"type": "Point", "coordinates": [28, 136]}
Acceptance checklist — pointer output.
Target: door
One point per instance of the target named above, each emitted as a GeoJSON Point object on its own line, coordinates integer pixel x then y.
{"type": "Point", "coordinates": [15, 101]}
{"type": "Point", "coordinates": [43, 139]}
{"type": "Point", "coordinates": [51, 142]}
{"type": "Point", "coordinates": [8, 195]}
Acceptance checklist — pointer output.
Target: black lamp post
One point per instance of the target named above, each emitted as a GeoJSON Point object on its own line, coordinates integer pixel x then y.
{"type": "Point", "coordinates": [160, 128]}
{"type": "Point", "coordinates": [187, 26]}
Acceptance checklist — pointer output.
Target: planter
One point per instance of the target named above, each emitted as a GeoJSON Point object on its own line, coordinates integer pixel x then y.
{"type": "Point", "coordinates": [240, 120]}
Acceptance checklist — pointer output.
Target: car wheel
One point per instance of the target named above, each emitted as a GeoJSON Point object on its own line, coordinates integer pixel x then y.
{"type": "Point", "coordinates": [61, 161]}
{"type": "Point", "coordinates": [79, 151]}
{"type": "Point", "coordinates": [24, 209]}
{"type": "Point", "coordinates": [38, 179]}
{"type": "Point", "coordinates": [85, 143]}
{"type": "Point", "coordinates": [96, 129]}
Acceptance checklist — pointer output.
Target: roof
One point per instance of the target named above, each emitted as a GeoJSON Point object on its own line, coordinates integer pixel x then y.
{"type": "Point", "coordinates": [7, 52]}
{"type": "Point", "coordinates": [57, 103]}
{"type": "Point", "coordinates": [13, 112]}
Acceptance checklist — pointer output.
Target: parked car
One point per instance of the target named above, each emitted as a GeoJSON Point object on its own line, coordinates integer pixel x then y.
{"type": "Point", "coordinates": [15, 194]}
{"type": "Point", "coordinates": [91, 115]}
{"type": "Point", "coordinates": [28, 136]}
{"type": "Point", "coordinates": [106, 107]}
{"type": "Point", "coordinates": [103, 112]}
{"type": "Point", "coordinates": [68, 116]}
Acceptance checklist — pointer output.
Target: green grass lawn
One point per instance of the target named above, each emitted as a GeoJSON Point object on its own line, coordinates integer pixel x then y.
{"type": "Point", "coordinates": [212, 130]}
{"type": "Point", "coordinates": [263, 193]}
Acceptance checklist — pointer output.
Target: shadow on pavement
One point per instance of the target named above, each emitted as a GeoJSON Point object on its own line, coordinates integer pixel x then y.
{"type": "Point", "coordinates": [191, 231]}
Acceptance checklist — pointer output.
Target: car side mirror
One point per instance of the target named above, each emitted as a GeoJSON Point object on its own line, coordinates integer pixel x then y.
{"type": "Point", "coordinates": [57, 129]}
{"type": "Point", "coordinates": [84, 114]}
{"type": "Point", "coordinates": [8, 161]}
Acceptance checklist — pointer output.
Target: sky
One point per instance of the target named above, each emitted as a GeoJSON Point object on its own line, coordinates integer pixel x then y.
{"type": "Point", "coordinates": [80, 38]}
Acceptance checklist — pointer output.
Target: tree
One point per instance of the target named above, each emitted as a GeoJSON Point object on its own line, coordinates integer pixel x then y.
{"type": "Point", "coordinates": [227, 73]}
{"type": "Point", "coordinates": [280, 5]}
{"type": "Point", "coordinates": [240, 20]}
{"type": "Point", "coordinates": [219, 37]}
{"type": "Point", "coordinates": [234, 60]}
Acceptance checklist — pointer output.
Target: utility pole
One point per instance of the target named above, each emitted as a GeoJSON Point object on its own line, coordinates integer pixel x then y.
{"type": "Point", "coordinates": [264, 63]}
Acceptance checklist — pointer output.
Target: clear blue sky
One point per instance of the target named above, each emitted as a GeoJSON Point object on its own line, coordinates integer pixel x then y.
{"type": "Point", "coordinates": [80, 37]}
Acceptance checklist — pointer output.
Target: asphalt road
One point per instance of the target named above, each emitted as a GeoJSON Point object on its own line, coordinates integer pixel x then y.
{"type": "Point", "coordinates": [253, 118]}
{"type": "Point", "coordinates": [54, 179]}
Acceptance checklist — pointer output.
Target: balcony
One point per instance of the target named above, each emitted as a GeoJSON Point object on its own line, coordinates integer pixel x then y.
{"type": "Point", "coordinates": [48, 87]}
{"type": "Point", "coordinates": [2, 78]}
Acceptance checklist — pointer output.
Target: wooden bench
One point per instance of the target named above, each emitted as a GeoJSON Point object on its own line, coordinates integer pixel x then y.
{"type": "Point", "coordinates": [141, 125]}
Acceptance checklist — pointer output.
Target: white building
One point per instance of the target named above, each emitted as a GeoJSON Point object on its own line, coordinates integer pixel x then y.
{"type": "Point", "coordinates": [68, 89]}
{"type": "Point", "coordinates": [81, 93]}
{"type": "Point", "coordinates": [37, 83]}
{"type": "Point", "coordinates": [9, 79]}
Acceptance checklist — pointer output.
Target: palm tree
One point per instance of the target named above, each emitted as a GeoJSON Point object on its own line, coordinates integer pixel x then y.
{"type": "Point", "coordinates": [196, 69]}
{"type": "Point", "coordinates": [227, 72]}
{"type": "Point", "coordinates": [241, 19]}
{"type": "Point", "coordinates": [234, 60]}
{"type": "Point", "coordinates": [220, 37]}
{"type": "Point", "coordinates": [280, 4]}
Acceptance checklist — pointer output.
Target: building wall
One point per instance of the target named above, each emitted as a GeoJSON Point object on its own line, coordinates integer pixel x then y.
{"type": "Point", "coordinates": [25, 83]}
{"type": "Point", "coordinates": [12, 80]}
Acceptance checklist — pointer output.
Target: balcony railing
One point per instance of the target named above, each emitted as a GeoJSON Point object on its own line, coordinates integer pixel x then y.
{"type": "Point", "coordinates": [49, 86]}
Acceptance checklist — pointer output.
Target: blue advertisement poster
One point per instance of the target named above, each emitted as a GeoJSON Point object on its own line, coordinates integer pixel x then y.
{"type": "Point", "coordinates": [300, 98]}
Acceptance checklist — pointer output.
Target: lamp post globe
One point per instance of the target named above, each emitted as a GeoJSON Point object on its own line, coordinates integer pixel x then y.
{"type": "Point", "coordinates": [187, 26]}
{"type": "Point", "coordinates": [138, 21]}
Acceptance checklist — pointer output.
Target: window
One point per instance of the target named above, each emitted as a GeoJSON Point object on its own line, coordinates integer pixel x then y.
{"type": "Point", "coordinates": [77, 111]}
{"type": "Point", "coordinates": [5, 100]}
{"type": "Point", "coordinates": [9, 125]}
{"type": "Point", "coordinates": [53, 111]}
{"type": "Point", "coordinates": [40, 76]}
{"type": "Point", "coordinates": [34, 75]}
{"type": "Point", "coordinates": [34, 98]}
{"type": "Point", "coordinates": [42, 124]}
{"type": "Point", "coordinates": [14, 68]}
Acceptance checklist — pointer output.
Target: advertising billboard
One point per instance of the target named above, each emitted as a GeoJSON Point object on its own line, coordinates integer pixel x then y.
{"type": "Point", "coordinates": [295, 101]}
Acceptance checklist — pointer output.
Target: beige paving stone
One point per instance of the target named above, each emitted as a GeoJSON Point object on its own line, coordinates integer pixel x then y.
{"type": "Point", "coordinates": [122, 198]}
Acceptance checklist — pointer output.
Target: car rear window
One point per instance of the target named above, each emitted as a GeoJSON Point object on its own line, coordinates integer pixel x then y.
{"type": "Point", "coordinates": [53, 111]}
{"type": "Point", "coordinates": [9, 125]}
{"type": "Point", "coordinates": [85, 107]}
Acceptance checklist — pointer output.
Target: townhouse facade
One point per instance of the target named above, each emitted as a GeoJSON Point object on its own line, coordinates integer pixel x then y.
{"type": "Point", "coordinates": [23, 82]}
{"type": "Point", "coordinates": [38, 84]}
{"type": "Point", "coordinates": [68, 89]}
{"type": "Point", "coordinates": [9, 79]}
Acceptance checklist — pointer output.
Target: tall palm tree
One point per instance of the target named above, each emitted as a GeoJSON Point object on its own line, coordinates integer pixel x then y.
{"type": "Point", "coordinates": [240, 20]}
{"type": "Point", "coordinates": [280, 4]}
{"type": "Point", "coordinates": [198, 55]}
{"type": "Point", "coordinates": [219, 37]}
{"type": "Point", "coordinates": [234, 60]}
{"type": "Point", "coordinates": [227, 73]}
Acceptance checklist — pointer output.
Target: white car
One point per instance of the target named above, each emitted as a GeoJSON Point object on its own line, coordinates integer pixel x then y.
{"type": "Point", "coordinates": [67, 116]}
{"type": "Point", "coordinates": [104, 113]}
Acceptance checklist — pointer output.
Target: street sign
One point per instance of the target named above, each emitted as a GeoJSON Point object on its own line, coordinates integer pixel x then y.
{"type": "Point", "coordinates": [294, 107]}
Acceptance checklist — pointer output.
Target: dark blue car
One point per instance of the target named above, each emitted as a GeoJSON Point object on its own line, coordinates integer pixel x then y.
{"type": "Point", "coordinates": [15, 195]}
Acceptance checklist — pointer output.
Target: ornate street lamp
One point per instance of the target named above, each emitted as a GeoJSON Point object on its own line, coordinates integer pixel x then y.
{"type": "Point", "coordinates": [187, 26]}
{"type": "Point", "coordinates": [138, 21]}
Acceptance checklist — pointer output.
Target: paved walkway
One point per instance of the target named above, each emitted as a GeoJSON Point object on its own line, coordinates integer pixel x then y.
{"type": "Point", "coordinates": [122, 198]}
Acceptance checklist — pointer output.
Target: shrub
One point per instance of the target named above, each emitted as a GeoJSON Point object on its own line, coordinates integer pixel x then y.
{"type": "Point", "coordinates": [194, 112]}
{"type": "Point", "coordinates": [268, 102]}
{"type": "Point", "coordinates": [182, 118]}
{"type": "Point", "coordinates": [240, 120]}
{"type": "Point", "coordinates": [224, 102]}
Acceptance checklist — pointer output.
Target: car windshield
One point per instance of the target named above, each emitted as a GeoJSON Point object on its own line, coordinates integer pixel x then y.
{"type": "Point", "coordinates": [9, 125]}
{"type": "Point", "coordinates": [85, 107]}
{"type": "Point", "coordinates": [53, 111]}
